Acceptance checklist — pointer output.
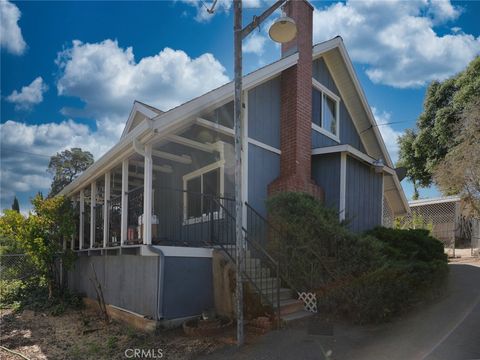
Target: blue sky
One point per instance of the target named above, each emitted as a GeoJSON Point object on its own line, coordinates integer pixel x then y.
{"type": "Point", "coordinates": [71, 70]}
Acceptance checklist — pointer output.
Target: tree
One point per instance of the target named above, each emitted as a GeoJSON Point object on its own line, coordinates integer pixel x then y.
{"type": "Point", "coordinates": [459, 171]}
{"type": "Point", "coordinates": [48, 226]}
{"type": "Point", "coordinates": [15, 205]}
{"type": "Point", "coordinates": [12, 232]}
{"type": "Point", "coordinates": [66, 166]}
{"type": "Point", "coordinates": [422, 150]}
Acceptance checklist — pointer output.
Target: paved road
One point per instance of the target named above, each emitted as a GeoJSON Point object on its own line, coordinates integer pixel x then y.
{"type": "Point", "coordinates": [448, 329]}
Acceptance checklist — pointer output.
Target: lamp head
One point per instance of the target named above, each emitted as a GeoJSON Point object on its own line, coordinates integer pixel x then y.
{"type": "Point", "coordinates": [283, 30]}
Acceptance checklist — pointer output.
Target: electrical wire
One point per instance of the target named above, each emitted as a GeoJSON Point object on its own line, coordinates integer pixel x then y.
{"type": "Point", "coordinates": [378, 125]}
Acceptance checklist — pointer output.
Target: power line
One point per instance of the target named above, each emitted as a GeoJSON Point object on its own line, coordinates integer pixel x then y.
{"type": "Point", "coordinates": [378, 125]}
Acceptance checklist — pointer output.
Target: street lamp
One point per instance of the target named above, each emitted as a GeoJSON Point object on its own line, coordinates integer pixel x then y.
{"type": "Point", "coordinates": [282, 30]}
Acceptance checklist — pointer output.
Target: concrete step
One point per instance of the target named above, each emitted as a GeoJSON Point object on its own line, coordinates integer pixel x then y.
{"type": "Point", "coordinates": [290, 306]}
{"type": "Point", "coordinates": [296, 316]}
{"type": "Point", "coordinates": [257, 272]}
{"type": "Point", "coordinates": [266, 284]}
{"type": "Point", "coordinates": [252, 263]}
{"type": "Point", "coordinates": [285, 294]}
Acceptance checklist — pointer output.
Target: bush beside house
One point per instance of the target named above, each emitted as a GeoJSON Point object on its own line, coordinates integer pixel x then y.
{"type": "Point", "coordinates": [368, 277]}
{"type": "Point", "coordinates": [34, 280]}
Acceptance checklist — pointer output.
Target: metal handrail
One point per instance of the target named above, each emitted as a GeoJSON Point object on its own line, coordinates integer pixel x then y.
{"type": "Point", "coordinates": [273, 265]}
{"type": "Point", "coordinates": [278, 233]}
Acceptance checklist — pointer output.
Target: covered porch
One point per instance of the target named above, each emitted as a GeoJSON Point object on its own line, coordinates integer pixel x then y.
{"type": "Point", "coordinates": [171, 187]}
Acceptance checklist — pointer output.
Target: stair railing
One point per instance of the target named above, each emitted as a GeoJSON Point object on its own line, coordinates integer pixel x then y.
{"type": "Point", "coordinates": [262, 230]}
{"type": "Point", "coordinates": [259, 268]}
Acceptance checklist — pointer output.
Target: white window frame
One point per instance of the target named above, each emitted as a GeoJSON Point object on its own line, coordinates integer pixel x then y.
{"type": "Point", "coordinates": [327, 92]}
{"type": "Point", "coordinates": [199, 173]}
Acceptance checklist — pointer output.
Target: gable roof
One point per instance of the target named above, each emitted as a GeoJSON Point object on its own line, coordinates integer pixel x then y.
{"type": "Point", "coordinates": [344, 75]}
{"type": "Point", "coordinates": [139, 111]}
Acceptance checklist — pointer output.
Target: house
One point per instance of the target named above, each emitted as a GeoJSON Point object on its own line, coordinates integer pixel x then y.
{"type": "Point", "coordinates": [153, 208]}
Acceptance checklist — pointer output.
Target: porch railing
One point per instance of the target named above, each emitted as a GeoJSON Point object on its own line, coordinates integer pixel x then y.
{"type": "Point", "coordinates": [98, 218]}
{"type": "Point", "coordinates": [114, 221]}
{"type": "Point", "coordinates": [185, 218]}
{"type": "Point", "coordinates": [134, 212]}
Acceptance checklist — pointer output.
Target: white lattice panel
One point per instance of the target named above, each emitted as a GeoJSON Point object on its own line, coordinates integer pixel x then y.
{"type": "Point", "coordinates": [388, 216]}
{"type": "Point", "coordinates": [309, 301]}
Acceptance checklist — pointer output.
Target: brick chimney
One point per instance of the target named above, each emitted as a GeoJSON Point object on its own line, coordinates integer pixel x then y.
{"type": "Point", "coordinates": [296, 108]}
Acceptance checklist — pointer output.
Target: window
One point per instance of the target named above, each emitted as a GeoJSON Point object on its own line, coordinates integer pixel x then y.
{"type": "Point", "coordinates": [325, 106]}
{"type": "Point", "coordinates": [197, 185]}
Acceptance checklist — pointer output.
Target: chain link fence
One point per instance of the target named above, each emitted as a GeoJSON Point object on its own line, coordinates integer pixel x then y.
{"type": "Point", "coordinates": [16, 267]}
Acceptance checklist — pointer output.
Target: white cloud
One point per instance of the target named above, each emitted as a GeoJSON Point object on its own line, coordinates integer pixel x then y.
{"type": "Point", "coordinates": [222, 6]}
{"type": "Point", "coordinates": [107, 77]}
{"type": "Point", "coordinates": [26, 150]}
{"type": "Point", "coordinates": [29, 95]}
{"type": "Point", "coordinates": [396, 40]}
{"type": "Point", "coordinates": [10, 33]}
{"type": "Point", "coordinates": [442, 10]}
{"type": "Point", "coordinates": [389, 135]}
{"type": "Point", "coordinates": [202, 15]}
{"type": "Point", "coordinates": [255, 44]}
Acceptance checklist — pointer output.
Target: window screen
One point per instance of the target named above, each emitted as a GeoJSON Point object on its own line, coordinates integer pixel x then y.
{"type": "Point", "coordinates": [205, 184]}
{"type": "Point", "coordinates": [317, 107]}
{"type": "Point", "coordinates": [194, 199]}
{"type": "Point", "coordinates": [330, 115]}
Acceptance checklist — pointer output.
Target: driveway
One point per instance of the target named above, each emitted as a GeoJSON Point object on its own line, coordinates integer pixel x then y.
{"type": "Point", "coordinates": [448, 329]}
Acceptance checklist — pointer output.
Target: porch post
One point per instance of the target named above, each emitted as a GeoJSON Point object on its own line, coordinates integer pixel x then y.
{"type": "Point", "coordinates": [124, 215]}
{"type": "Point", "coordinates": [93, 196]}
{"type": "Point", "coordinates": [106, 210]}
{"type": "Point", "coordinates": [82, 219]}
{"type": "Point", "coordinates": [147, 196]}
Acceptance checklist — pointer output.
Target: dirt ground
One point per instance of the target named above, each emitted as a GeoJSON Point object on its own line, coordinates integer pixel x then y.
{"type": "Point", "coordinates": [463, 256]}
{"type": "Point", "coordinates": [82, 335]}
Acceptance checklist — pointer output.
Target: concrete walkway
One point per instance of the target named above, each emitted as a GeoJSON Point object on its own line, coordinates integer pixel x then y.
{"type": "Point", "coordinates": [448, 329]}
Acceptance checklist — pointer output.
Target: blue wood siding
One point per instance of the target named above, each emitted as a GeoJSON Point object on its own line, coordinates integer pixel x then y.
{"type": "Point", "coordinates": [363, 197]}
{"type": "Point", "coordinates": [188, 286]}
{"type": "Point", "coordinates": [263, 168]}
{"type": "Point", "coordinates": [264, 113]}
{"type": "Point", "coordinates": [323, 76]}
{"type": "Point", "coordinates": [348, 132]}
{"type": "Point", "coordinates": [321, 140]}
{"type": "Point", "coordinates": [326, 173]}
{"type": "Point", "coordinates": [132, 282]}
{"type": "Point", "coordinates": [122, 277]}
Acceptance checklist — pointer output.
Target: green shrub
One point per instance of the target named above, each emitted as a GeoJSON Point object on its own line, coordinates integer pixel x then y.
{"type": "Point", "coordinates": [411, 244]}
{"type": "Point", "coordinates": [9, 293]}
{"type": "Point", "coordinates": [368, 278]}
{"type": "Point", "coordinates": [33, 294]}
{"type": "Point", "coordinates": [310, 233]}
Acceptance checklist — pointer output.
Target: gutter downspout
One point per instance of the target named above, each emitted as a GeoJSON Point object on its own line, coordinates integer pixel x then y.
{"type": "Point", "coordinates": [160, 279]}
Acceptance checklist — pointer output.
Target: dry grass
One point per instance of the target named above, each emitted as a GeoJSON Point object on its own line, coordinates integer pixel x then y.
{"type": "Point", "coordinates": [82, 335]}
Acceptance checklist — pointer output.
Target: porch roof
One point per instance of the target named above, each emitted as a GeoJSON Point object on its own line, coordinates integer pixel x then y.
{"type": "Point", "coordinates": [156, 126]}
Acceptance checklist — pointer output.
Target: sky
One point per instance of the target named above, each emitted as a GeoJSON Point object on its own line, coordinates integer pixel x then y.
{"type": "Point", "coordinates": [70, 70]}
